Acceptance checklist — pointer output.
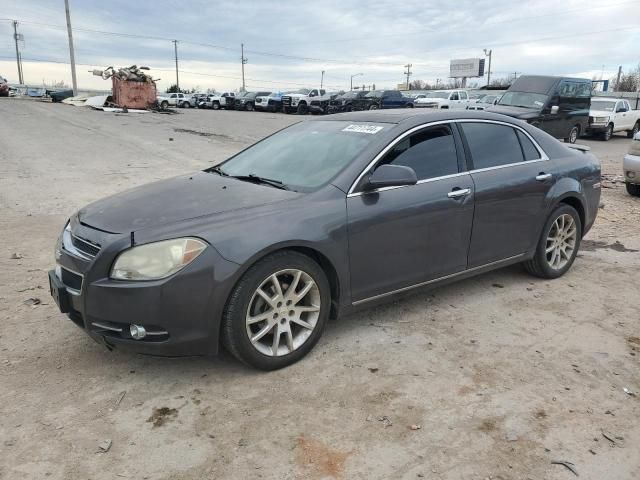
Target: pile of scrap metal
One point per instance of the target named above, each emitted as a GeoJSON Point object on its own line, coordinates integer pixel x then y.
{"type": "Point", "coordinates": [132, 88]}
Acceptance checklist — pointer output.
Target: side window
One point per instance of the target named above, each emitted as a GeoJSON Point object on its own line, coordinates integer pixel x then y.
{"type": "Point", "coordinates": [463, 96]}
{"type": "Point", "coordinates": [568, 89]}
{"type": "Point", "coordinates": [491, 144]}
{"type": "Point", "coordinates": [430, 152]}
{"type": "Point", "coordinates": [529, 150]}
{"type": "Point", "coordinates": [173, 95]}
{"type": "Point", "coordinates": [454, 96]}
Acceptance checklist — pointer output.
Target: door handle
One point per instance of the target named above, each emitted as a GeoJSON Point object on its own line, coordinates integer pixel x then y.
{"type": "Point", "coordinates": [541, 177]}
{"type": "Point", "coordinates": [460, 192]}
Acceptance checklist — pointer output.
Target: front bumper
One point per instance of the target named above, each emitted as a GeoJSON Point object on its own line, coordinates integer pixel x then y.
{"type": "Point", "coordinates": [631, 168]}
{"type": "Point", "coordinates": [181, 313]}
{"type": "Point", "coordinates": [597, 128]}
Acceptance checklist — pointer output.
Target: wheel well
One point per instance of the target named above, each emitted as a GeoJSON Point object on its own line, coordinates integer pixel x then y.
{"type": "Point", "coordinates": [329, 270]}
{"type": "Point", "coordinates": [577, 204]}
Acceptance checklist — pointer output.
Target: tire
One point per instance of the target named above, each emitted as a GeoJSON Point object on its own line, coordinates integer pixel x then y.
{"type": "Point", "coordinates": [633, 189]}
{"type": "Point", "coordinates": [245, 302]}
{"type": "Point", "coordinates": [215, 105]}
{"type": "Point", "coordinates": [373, 107]}
{"type": "Point", "coordinates": [608, 133]}
{"type": "Point", "coordinates": [632, 133]}
{"type": "Point", "coordinates": [164, 105]}
{"type": "Point", "coordinates": [541, 265]}
{"type": "Point", "coordinates": [302, 109]}
{"type": "Point", "coordinates": [249, 107]}
{"type": "Point", "coordinates": [186, 105]}
{"type": "Point", "coordinates": [574, 133]}
{"type": "Point", "coordinates": [409, 105]}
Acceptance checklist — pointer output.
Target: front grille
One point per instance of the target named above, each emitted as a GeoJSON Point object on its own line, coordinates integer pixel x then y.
{"type": "Point", "coordinates": [286, 101]}
{"type": "Point", "coordinates": [71, 279]}
{"type": "Point", "coordinates": [85, 246]}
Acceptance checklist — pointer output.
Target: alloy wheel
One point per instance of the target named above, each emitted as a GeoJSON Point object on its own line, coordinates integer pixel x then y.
{"type": "Point", "coordinates": [283, 312]}
{"type": "Point", "coordinates": [561, 241]}
{"type": "Point", "coordinates": [573, 135]}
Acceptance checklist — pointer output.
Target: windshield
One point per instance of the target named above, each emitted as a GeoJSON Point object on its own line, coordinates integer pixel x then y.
{"type": "Point", "coordinates": [302, 91]}
{"type": "Point", "coordinates": [306, 155]}
{"type": "Point", "coordinates": [249, 95]}
{"type": "Point", "coordinates": [523, 99]}
{"type": "Point", "coordinates": [603, 106]}
{"type": "Point", "coordinates": [488, 99]}
{"type": "Point", "coordinates": [375, 93]}
{"type": "Point", "coordinates": [438, 95]}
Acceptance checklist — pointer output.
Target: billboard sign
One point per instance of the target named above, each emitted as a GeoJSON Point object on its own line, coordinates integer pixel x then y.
{"type": "Point", "coordinates": [466, 67]}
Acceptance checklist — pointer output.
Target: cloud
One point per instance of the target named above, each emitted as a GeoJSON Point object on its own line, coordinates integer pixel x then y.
{"type": "Point", "coordinates": [288, 43]}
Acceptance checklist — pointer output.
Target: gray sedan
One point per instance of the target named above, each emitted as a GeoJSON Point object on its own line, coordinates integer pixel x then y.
{"type": "Point", "coordinates": [316, 221]}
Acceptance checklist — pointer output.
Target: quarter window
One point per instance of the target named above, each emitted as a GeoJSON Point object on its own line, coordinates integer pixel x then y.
{"type": "Point", "coordinates": [491, 144]}
{"type": "Point", "coordinates": [430, 153]}
{"type": "Point", "coordinates": [529, 150]}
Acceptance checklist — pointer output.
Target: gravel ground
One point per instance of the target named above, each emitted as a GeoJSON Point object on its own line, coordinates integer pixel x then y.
{"type": "Point", "coordinates": [493, 377]}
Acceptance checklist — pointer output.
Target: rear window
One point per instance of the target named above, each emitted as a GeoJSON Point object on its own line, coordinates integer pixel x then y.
{"type": "Point", "coordinates": [492, 145]}
{"type": "Point", "coordinates": [528, 148]}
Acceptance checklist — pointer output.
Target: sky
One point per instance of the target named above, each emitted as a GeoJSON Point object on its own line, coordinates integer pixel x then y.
{"type": "Point", "coordinates": [289, 43]}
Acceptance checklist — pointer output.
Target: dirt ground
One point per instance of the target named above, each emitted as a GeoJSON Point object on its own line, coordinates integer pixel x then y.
{"type": "Point", "coordinates": [494, 377]}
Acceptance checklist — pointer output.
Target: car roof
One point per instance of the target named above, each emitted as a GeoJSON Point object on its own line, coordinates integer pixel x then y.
{"type": "Point", "coordinates": [415, 116]}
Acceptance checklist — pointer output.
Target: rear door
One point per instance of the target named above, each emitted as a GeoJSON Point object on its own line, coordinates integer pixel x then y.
{"type": "Point", "coordinates": [403, 236]}
{"type": "Point", "coordinates": [512, 178]}
{"type": "Point", "coordinates": [623, 117]}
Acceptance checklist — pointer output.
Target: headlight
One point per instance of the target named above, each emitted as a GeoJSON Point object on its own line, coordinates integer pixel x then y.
{"type": "Point", "coordinates": [156, 260]}
{"type": "Point", "coordinates": [601, 119]}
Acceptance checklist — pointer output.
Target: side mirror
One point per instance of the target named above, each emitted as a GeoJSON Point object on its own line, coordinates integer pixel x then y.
{"type": "Point", "coordinates": [391, 176]}
{"type": "Point", "coordinates": [554, 109]}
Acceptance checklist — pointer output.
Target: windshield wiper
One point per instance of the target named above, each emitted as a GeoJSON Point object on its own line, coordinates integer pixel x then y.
{"type": "Point", "coordinates": [218, 171]}
{"type": "Point", "coordinates": [257, 179]}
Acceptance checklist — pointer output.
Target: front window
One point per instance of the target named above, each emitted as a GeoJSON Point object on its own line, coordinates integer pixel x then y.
{"type": "Point", "coordinates": [603, 105]}
{"type": "Point", "coordinates": [523, 99]}
{"type": "Point", "coordinates": [306, 155]}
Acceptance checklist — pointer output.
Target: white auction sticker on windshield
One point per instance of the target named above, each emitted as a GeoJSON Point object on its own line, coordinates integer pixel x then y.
{"type": "Point", "coordinates": [371, 129]}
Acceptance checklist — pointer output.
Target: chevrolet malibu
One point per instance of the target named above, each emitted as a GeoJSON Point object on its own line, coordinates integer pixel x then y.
{"type": "Point", "coordinates": [318, 220]}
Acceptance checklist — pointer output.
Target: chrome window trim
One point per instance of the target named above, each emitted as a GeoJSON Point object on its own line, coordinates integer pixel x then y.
{"type": "Point", "coordinates": [422, 284]}
{"type": "Point", "coordinates": [376, 159]}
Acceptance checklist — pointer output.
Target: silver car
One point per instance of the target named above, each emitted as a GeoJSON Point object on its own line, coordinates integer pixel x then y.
{"type": "Point", "coordinates": [631, 167]}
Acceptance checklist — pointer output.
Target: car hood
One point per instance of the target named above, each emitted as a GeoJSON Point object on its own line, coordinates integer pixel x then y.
{"type": "Point", "coordinates": [177, 199]}
{"type": "Point", "coordinates": [517, 112]}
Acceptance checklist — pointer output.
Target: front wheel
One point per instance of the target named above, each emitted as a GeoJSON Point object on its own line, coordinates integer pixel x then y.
{"type": "Point", "coordinates": [164, 105]}
{"type": "Point", "coordinates": [632, 133]}
{"type": "Point", "coordinates": [249, 107]}
{"type": "Point", "coordinates": [633, 189]}
{"type": "Point", "coordinates": [373, 107]}
{"type": "Point", "coordinates": [608, 133]}
{"type": "Point", "coordinates": [574, 133]}
{"type": "Point", "coordinates": [558, 245]}
{"type": "Point", "coordinates": [302, 109]}
{"type": "Point", "coordinates": [277, 311]}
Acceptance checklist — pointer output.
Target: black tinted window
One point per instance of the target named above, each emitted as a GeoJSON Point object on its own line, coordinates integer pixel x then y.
{"type": "Point", "coordinates": [492, 145]}
{"type": "Point", "coordinates": [529, 150]}
{"type": "Point", "coordinates": [430, 152]}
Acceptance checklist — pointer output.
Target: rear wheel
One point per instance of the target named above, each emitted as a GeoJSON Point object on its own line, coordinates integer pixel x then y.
{"type": "Point", "coordinates": [608, 133]}
{"type": "Point", "coordinates": [373, 107]}
{"type": "Point", "coordinates": [215, 105]}
{"type": "Point", "coordinates": [574, 133]}
{"type": "Point", "coordinates": [633, 189]}
{"type": "Point", "coordinates": [632, 133]}
{"type": "Point", "coordinates": [558, 245]}
{"type": "Point", "coordinates": [277, 311]}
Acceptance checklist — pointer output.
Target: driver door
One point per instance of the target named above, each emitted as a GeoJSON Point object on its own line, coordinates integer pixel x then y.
{"type": "Point", "coordinates": [403, 236]}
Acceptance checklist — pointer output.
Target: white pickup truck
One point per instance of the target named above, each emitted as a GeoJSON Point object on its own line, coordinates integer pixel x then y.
{"type": "Point", "coordinates": [448, 99]}
{"type": "Point", "coordinates": [176, 100]}
{"type": "Point", "coordinates": [610, 115]}
{"type": "Point", "coordinates": [219, 100]}
{"type": "Point", "coordinates": [300, 100]}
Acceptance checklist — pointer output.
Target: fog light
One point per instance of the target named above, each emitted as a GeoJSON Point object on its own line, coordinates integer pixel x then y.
{"type": "Point", "coordinates": [137, 332]}
{"type": "Point", "coordinates": [631, 174]}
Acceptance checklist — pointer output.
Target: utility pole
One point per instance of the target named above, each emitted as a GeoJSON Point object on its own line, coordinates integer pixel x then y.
{"type": "Point", "coordinates": [355, 75]}
{"type": "Point", "coordinates": [18, 59]}
{"type": "Point", "coordinates": [408, 73]}
{"type": "Point", "coordinates": [321, 79]}
{"type": "Point", "coordinates": [617, 79]}
{"type": "Point", "coordinates": [515, 75]}
{"type": "Point", "coordinates": [175, 49]}
{"type": "Point", "coordinates": [72, 56]}
{"type": "Point", "coordinates": [244, 61]}
{"type": "Point", "coordinates": [489, 69]}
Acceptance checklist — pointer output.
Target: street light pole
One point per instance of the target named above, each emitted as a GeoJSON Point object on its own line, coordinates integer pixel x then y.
{"type": "Point", "coordinates": [351, 84]}
{"type": "Point", "coordinates": [489, 69]}
{"type": "Point", "coordinates": [322, 79]}
{"type": "Point", "coordinates": [72, 56]}
{"type": "Point", "coordinates": [175, 50]}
